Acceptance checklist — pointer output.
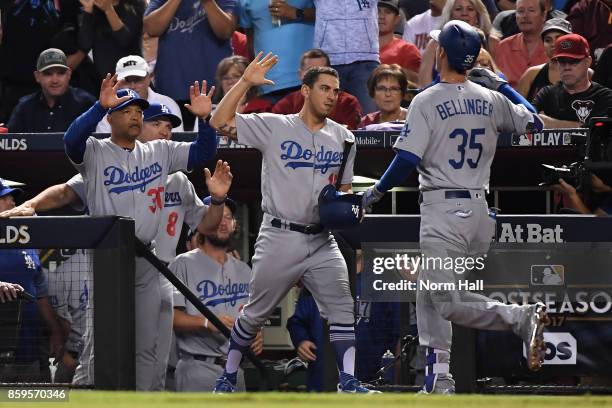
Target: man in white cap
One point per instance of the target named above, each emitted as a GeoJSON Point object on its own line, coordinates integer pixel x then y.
{"type": "Point", "coordinates": [133, 70]}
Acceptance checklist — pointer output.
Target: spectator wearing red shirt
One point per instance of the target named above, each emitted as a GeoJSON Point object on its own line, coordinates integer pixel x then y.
{"type": "Point", "coordinates": [387, 86]}
{"type": "Point", "coordinates": [592, 19]}
{"type": "Point", "coordinates": [394, 50]}
{"type": "Point", "coordinates": [347, 110]}
{"type": "Point", "coordinates": [523, 50]}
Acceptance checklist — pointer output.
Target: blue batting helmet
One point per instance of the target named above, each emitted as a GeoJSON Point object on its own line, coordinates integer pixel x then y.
{"type": "Point", "coordinates": [461, 43]}
{"type": "Point", "coordinates": [339, 210]}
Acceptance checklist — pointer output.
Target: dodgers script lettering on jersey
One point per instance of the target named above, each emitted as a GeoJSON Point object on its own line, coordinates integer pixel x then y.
{"type": "Point", "coordinates": [297, 163]}
{"type": "Point", "coordinates": [131, 183]}
{"type": "Point", "coordinates": [296, 156]}
{"type": "Point", "coordinates": [213, 293]}
{"type": "Point", "coordinates": [138, 179]}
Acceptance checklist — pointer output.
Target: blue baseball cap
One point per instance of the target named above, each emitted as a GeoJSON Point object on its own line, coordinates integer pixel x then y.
{"type": "Point", "coordinates": [159, 110]}
{"type": "Point", "coordinates": [6, 190]}
{"type": "Point", "coordinates": [134, 99]}
{"type": "Point", "coordinates": [233, 206]}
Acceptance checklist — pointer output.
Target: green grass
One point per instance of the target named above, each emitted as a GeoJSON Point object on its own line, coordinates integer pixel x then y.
{"type": "Point", "coordinates": [291, 400]}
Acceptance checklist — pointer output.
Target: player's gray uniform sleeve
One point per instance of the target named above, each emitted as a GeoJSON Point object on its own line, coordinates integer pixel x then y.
{"type": "Point", "coordinates": [347, 177]}
{"type": "Point", "coordinates": [89, 164]}
{"type": "Point", "coordinates": [78, 186]}
{"type": "Point", "coordinates": [178, 155]}
{"type": "Point", "coordinates": [511, 118]}
{"type": "Point", "coordinates": [195, 209]}
{"type": "Point", "coordinates": [414, 137]}
{"type": "Point", "coordinates": [179, 268]}
{"type": "Point", "coordinates": [255, 129]}
{"type": "Point", "coordinates": [59, 291]}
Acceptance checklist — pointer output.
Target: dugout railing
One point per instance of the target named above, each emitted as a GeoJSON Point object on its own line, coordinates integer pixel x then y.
{"type": "Point", "coordinates": [110, 240]}
{"type": "Point", "coordinates": [580, 336]}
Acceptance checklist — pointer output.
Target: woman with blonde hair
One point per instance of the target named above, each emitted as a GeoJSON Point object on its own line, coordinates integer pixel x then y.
{"type": "Point", "coordinates": [472, 12]}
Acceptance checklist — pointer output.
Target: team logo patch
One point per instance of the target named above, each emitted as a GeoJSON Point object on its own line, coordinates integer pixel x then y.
{"type": "Point", "coordinates": [165, 109]}
{"type": "Point", "coordinates": [566, 45]}
{"type": "Point", "coordinates": [583, 109]}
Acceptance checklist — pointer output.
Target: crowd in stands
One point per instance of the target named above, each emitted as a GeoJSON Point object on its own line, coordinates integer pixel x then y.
{"type": "Point", "coordinates": [555, 53]}
{"type": "Point", "coordinates": [55, 53]}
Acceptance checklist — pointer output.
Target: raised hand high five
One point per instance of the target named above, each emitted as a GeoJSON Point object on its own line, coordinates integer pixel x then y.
{"type": "Point", "coordinates": [108, 92]}
{"type": "Point", "coordinates": [201, 102]}
{"type": "Point", "coordinates": [219, 183]}
{"type": "Point", "coordinates": [255, 73]}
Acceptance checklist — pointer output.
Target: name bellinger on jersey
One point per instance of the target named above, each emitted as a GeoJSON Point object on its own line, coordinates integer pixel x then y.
{"type": "Point", "coordinates": [454, 107]}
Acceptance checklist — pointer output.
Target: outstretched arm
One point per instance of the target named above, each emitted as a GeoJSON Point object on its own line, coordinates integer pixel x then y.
{"type": "Point", "coordinates": [53, 197]}
{"type": "Point", "coordinates": [218, 185]}
{"type": "Point", "coordinates": [401, 166]}
{"type": "Point", "coordinates": [204, 148]}
{"type": "Point", "coordinates": [224, 118]}
{"type": "Point", "coordinates": [79, 131]}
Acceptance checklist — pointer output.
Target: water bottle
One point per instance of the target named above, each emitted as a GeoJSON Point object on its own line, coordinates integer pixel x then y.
{"type": "Point", "coordinates": [387, 361]}
{"type": "Point", "coordinates": [276, 22]}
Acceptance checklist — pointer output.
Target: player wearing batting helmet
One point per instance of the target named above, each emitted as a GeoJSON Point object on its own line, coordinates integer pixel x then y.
{"type": "Point", "coordinates": [450, 136]}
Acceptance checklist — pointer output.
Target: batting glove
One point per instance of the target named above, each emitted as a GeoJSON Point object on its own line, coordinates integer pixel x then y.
{"type": "Point", "coordinates": [486, 78]}
{"type": "Point", "coordinates": [370, 197]}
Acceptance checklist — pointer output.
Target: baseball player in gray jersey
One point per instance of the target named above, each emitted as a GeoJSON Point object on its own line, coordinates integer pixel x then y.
{"type": "Point", "coordinates": [301, 155]}
{"type": "Point", "coordinates": [450, 136]}
{"type": "Point", "coordinates": [181, 204]}
{"type": "Point", "coordinates": [125, 177]}
{"type": "Point", "coordinates": [222, 284]}
{"type": "Point", "coordinates": [69, 285]}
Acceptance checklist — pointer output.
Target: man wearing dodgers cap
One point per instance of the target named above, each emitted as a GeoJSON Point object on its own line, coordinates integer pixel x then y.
{"type": "Point", "coordinates": [572, 101]}
{"type": "Point", "coordinates": [125, 177]}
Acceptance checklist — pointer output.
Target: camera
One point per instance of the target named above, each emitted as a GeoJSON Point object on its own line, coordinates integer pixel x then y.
{"type": "Point", "coordinates": [572, 175]}
{"type": "Point", "coordinates": [597, 158]}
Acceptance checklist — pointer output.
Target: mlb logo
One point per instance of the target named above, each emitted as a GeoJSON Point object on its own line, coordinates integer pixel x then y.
{"type": "Point", "coordinates": [547, 275]}
{"type": "Point", "coordinates": [522, 140]}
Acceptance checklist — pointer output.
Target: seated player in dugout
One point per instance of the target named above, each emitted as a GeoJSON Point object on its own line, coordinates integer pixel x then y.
{"type": "Point", "coordinates": [222, 284]}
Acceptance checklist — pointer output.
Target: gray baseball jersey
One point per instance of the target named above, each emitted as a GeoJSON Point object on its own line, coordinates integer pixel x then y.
{"type": "Point", "coordinates": [297, 163]}
{"type": "Point", "coordinates": [181, 204]}
{"type": "Point", "coordinates": [453, 128]}
{"type": "Point", "coordinates": [69, 286]}
{"type": "Point", "coordinates": [131, 183]}
{"type": "Point", "coordinates": [224, 289]}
